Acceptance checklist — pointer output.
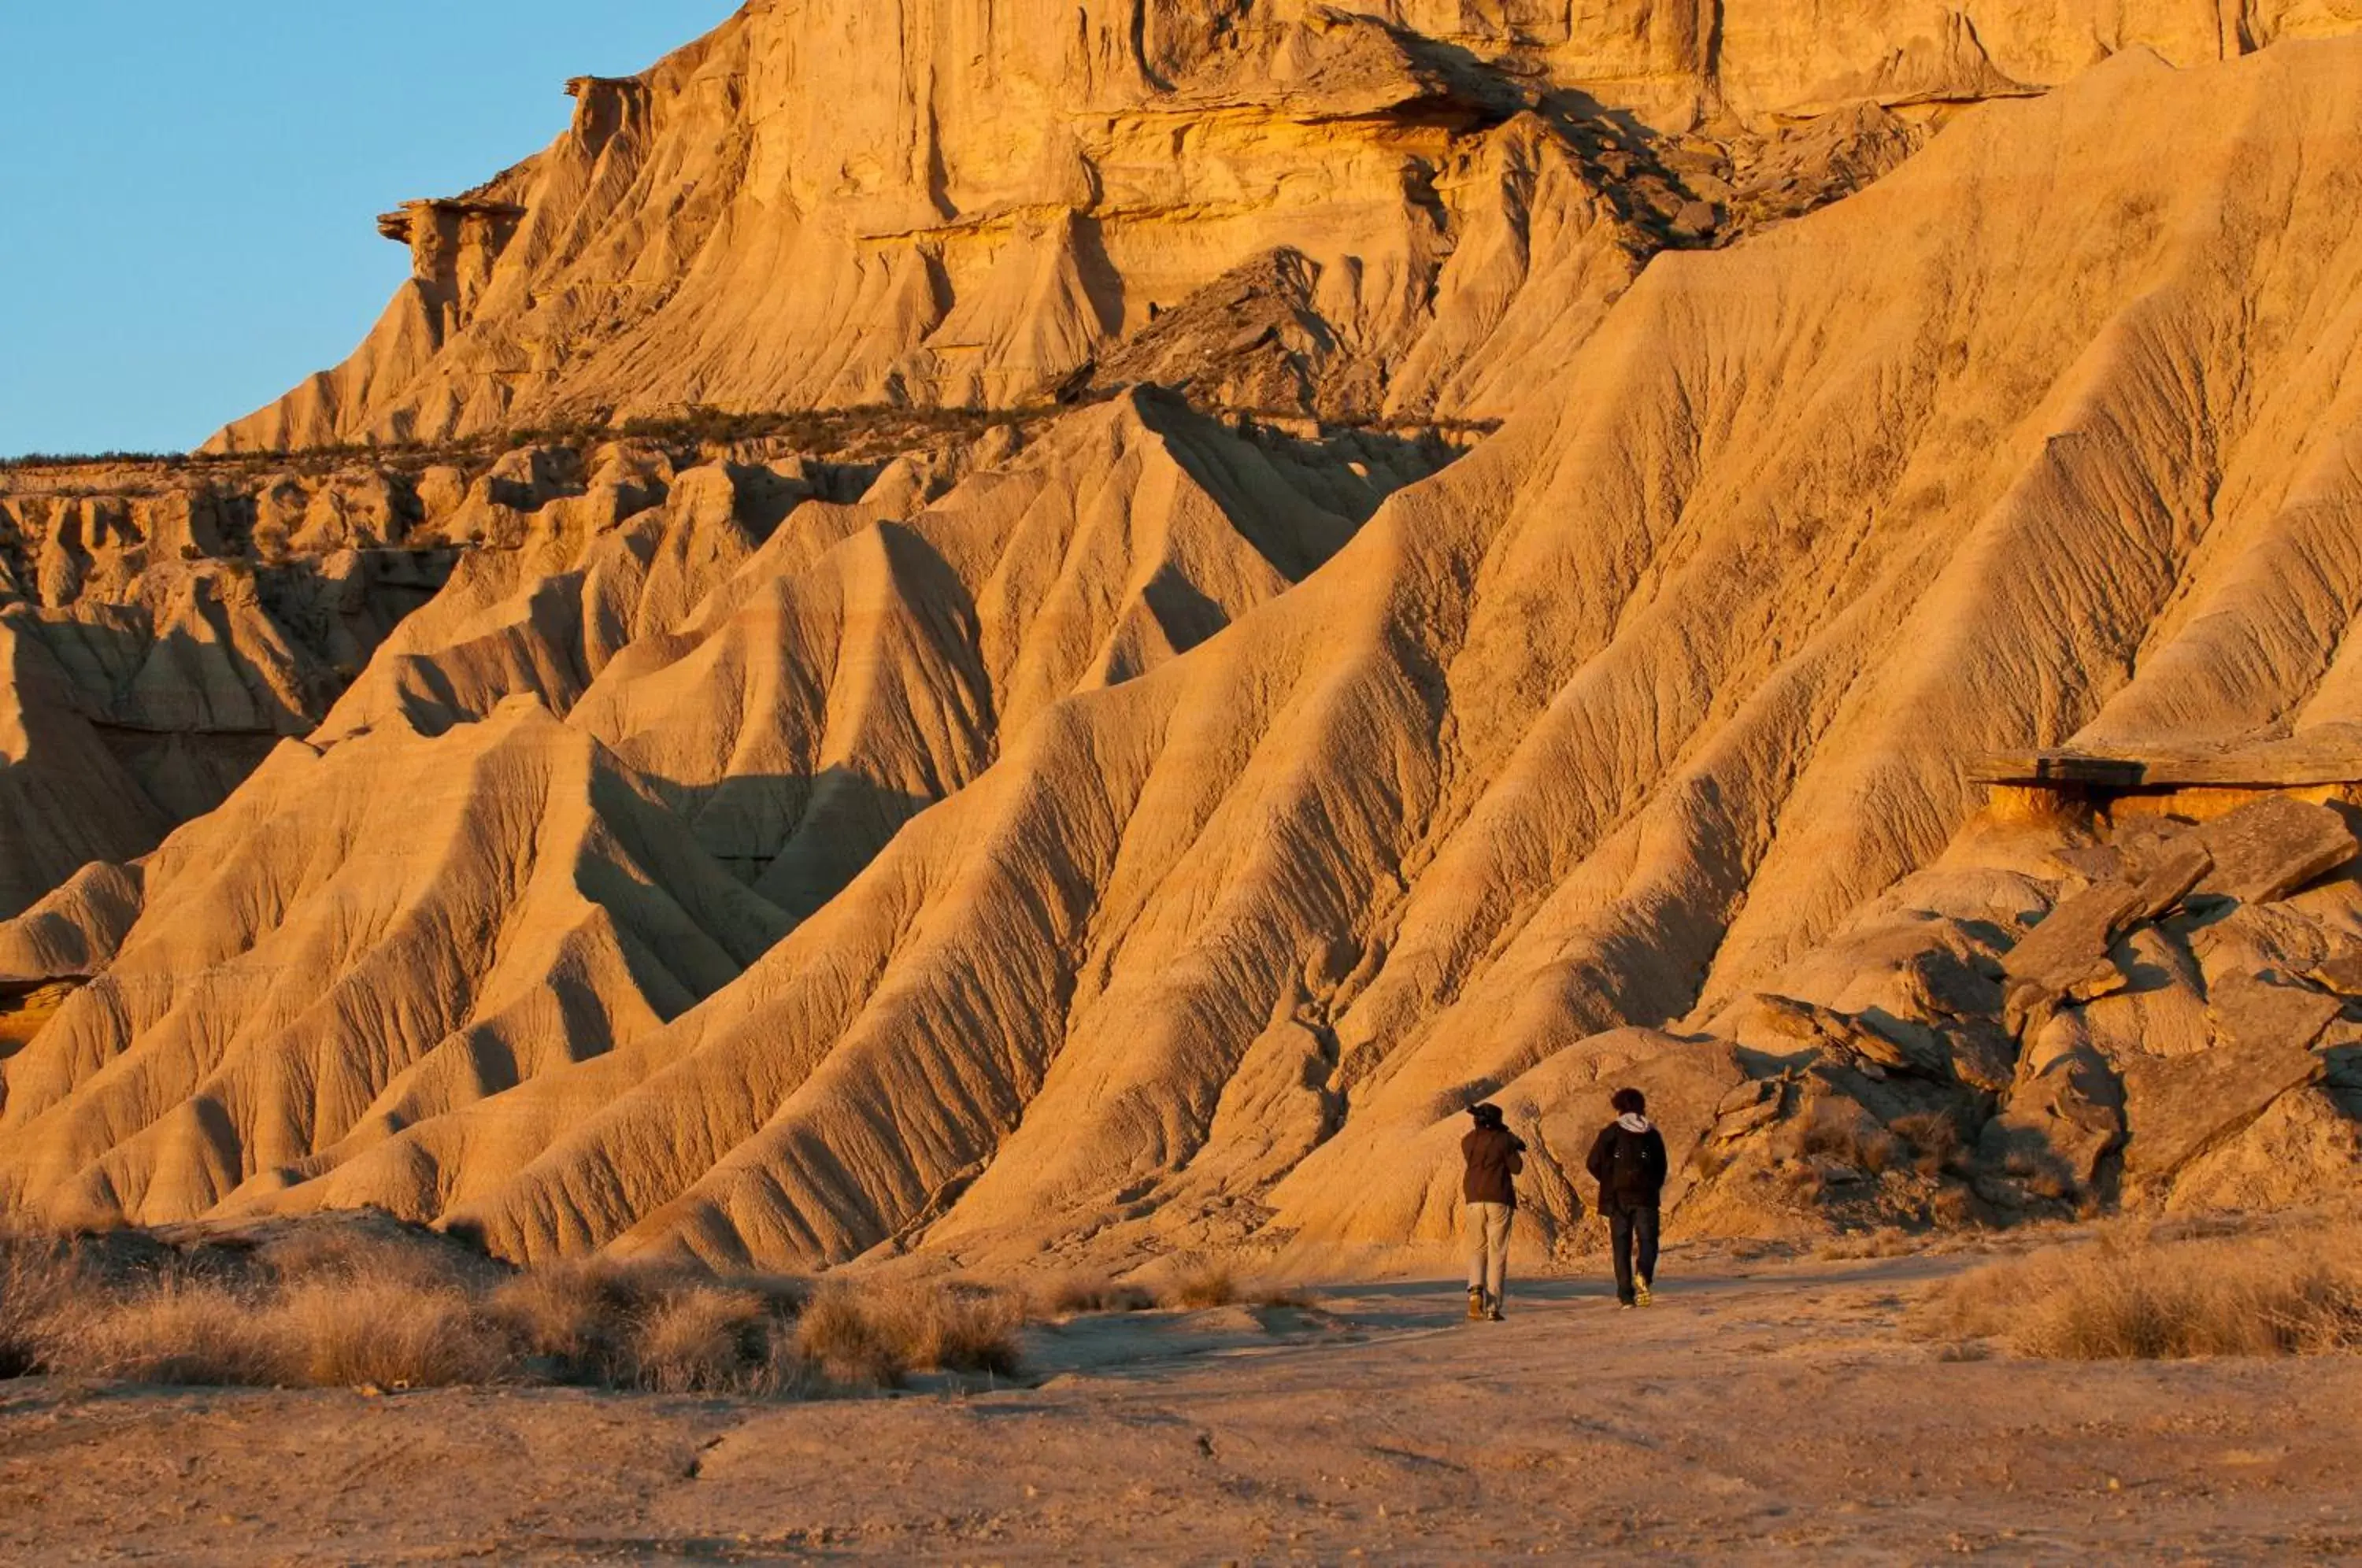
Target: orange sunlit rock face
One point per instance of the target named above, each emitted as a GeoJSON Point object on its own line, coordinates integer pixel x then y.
{"type": "Point", "coordinates": [1058, 637]}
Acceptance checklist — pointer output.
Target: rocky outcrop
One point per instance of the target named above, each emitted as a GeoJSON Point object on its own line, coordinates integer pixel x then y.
{"type": "Point", "coordinates": [2266, 850]}
{"type": "Point", "coordinates": [160, 631]}
{"type": "Point", "coordinates": [164, 623]}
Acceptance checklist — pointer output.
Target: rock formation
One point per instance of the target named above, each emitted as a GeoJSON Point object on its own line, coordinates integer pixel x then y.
{"type": "Point", "coordinates": [1413, 209]}
{"type": "Point", "coordinates": [161, 632]}
{"type": "Point", "coordinates": [1132, 826]}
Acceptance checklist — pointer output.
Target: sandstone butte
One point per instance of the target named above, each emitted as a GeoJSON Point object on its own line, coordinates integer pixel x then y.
{"type": "Point", "coordinates": [1119, 609]}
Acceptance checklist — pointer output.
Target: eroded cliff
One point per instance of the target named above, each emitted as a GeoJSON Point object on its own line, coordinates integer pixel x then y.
{"type": "Point", "coordinates": [1410, 210]}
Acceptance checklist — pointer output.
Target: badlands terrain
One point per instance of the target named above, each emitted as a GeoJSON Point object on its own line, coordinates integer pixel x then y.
{"type": "Point", "coordinates": [1046, 637]}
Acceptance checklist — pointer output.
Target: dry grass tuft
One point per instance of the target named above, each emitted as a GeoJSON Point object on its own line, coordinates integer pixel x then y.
{"type": "Point", "coordinates": [877, 1337]}
{"type": "Point", "coordinates": [1846, 1135]}
{"type": "Point", "coordinates": [180, 1332]}
{"type": "Point", "coordinates": [351, 1250]}
{"type": "Point", "coordinates": [706, 1338]}
{"type": "Point", "coordinates": [569, 1313]}
{"type": "Point", "coordinates": [389, 1333]}
{"type": "Point", "coordinates": [370, 1302]}
{"type": "Point", "coordinates": [1933, 1138]}
{"type": "Point", "coordinates": [1953, 1207]}
{"type": "Point", "coordinates": [669, 1330]}
{"type": "Point", "coordinates": [2133, 1293]}
{"type": "Point", "coordinates": [40, 1277]}
{"type": "Point", "coordinates": [1886, 1241]}
{"type": "Point", "coordinates": [1203, 1282]}
{"type": "Point", "coordinates": [1078, 1293]}
{"type": "Point", "coordinates": [957, 1328]}
{"type": "Point", "coordinates": [842, 1340]}
{"type": "Point", "coordinates": [1294, 1296]}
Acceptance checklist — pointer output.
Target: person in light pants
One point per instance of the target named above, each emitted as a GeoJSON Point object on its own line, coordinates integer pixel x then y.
{"type": "Point", "coordinates": [1493, 1156]}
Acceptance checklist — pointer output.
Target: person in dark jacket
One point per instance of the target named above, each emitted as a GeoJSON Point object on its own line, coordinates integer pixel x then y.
{"type": "Point", "coordinates": [1493, 1155]}
{"type": "Point", "coordinates": [1627, 1159]}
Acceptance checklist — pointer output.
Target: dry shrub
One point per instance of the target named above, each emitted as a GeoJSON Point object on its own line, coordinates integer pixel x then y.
{"type": "Point", "coordinates": [1886, 1241]}
{"type": "Point", "coordinates": [672, 1329]}
{"type": "Point", "coordinates": [2041, 1173]}
{"type": "Point", "coordinates": [840, 1338]}
{"type": "Point", "coordinates": [367, 1249]}
{"type": "Point", "coordinates": [42, 1278]}
{"type": "Point", "coordinates": [389, 1333]}
{"type": "Point", "coordinates": [1953, 1207]}
{"type": "Point", "coordinates": [1846, 1134]}
{"type": "Point", "coordinates": [1933, 1137]}
{"type": "Point", "coordinates": [873, 1338]}
{"type": "Point", "coordinates": [956, 1327]}
{"type": "Point", "coordinates": [2130, 1292]}
{"type": "Point", "coordinates": [1294, 1296]}
{"type": "Point", "coordinates": [175, 1332]}
{"type": "Point", "coordinates": [569, 1312]}
{"type": "Point", "coordinates": [708, 1338]}
{"type": "Point", "coordinates": [1202, 1282]}
{"type": "Point", "coordinates": [369, 1302]}
{"type": "Point", "coordinates": [1078, 1293]}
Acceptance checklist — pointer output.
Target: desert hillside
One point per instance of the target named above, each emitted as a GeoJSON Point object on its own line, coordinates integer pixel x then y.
{"type": "Point", "coordinates": [1066, 646]}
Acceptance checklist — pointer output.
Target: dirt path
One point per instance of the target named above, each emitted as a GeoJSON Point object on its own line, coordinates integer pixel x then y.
{"type": "Point", "coordinates": [1751, 1414]}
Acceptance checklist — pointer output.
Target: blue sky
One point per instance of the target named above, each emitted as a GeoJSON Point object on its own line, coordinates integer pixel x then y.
{"type": "Point", "coordinates": [187, 191]}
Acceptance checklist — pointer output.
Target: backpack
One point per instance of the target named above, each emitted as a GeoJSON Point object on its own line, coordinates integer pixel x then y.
{"type": "Point", "coordinates": [1629, 1168]}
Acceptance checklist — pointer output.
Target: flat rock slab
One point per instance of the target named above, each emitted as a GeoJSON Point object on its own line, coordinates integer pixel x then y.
{"type": "Point", "coordinates": [2341, 972]}
{"type": "Point", "coordinates": [2092, 862]}
{"type": "Point", "coordinates": [2249, 1012]}
{"type": "Point", "coordinates": [2272, 848]}
{"type": "Point", "coordinates": [2165, 869]}
{"type": "Point", "coordinates": [2067, 956]}
{"type": "Point", "coordinates": [2075, 936]}
{"type": "Point", "coordinates": [2175, 1107]}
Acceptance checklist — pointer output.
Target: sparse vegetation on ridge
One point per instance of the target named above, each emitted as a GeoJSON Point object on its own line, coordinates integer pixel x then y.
{"type": "Point", "coordinates": [816, 429]}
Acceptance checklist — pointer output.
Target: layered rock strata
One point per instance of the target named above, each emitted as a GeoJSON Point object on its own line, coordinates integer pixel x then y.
{"type": "Point", "coordinates": [160, 633]}
{"type": "Point", "coordinates": [955, 203]}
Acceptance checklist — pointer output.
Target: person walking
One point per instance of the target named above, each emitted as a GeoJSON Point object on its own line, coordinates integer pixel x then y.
{"type": "Point", "coordinates": [1628, 1160]}
{"type": "Point", "coordinates": [1493, 1155]}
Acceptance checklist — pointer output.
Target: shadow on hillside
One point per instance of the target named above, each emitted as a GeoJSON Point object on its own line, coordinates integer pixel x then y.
{"type": "Point", "coordinates": [798, 839]}
{"type": "Point", "coordinates": [1346, 472]}
{"type": "Point", "coordinates": [188, 718]}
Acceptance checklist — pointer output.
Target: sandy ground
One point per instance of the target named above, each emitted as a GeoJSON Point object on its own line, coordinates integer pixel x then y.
{"type": "Point", "coordinates": [1758, 1412]}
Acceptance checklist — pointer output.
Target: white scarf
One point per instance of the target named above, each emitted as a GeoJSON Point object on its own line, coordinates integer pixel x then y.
{"type": "Point", "coordinates": [1632, 1122]}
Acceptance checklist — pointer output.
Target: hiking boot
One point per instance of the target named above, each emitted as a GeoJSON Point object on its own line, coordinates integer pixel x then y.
{"type": "Point", "coordinates": [1643, 1294]}
{"type": "Point", "coordinates": [1623, 1306]}
{"type": "Point", "coordinates": [1475, 1304]}
{"type": "Point", "coordinates": [1493, 1313]}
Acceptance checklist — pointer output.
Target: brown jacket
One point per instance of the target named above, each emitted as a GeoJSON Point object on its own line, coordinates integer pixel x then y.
{"type": "Point", "coordinates": [1494, 1155]}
